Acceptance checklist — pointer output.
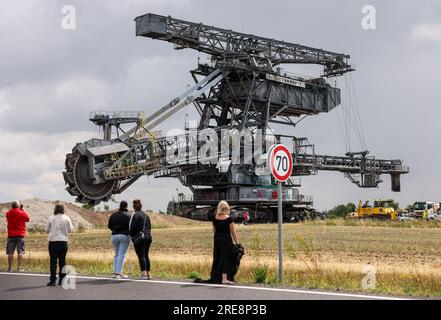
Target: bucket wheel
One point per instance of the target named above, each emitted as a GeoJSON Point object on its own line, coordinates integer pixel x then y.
{"type": "Point", "coordinates": [80, 185]}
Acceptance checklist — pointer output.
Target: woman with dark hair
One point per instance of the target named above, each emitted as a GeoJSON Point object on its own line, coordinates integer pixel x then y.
{"type": "Point", "coordinates": [58, 227]}
{"type": "Point", "coordinates": [140, 232]}
{"type": "Point", "coordinates": [119, 224]}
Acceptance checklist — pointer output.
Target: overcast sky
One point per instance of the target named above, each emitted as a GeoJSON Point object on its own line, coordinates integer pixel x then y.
{"type": "Point", "coordinates": [51, 78]}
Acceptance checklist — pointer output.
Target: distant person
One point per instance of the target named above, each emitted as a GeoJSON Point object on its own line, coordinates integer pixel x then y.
{"type": "Point", "coordinates": [140, 232]}
{"type": "Point", "coordinates": [16, 224]}
{"type": "Point", "coordinates": [119, 224]}
{"type": "Point", "coordinates": [224, 234]}
{"type": "Point", "coordinates": [246, 217]}
{"type": "Point", "coordinates": [58, 227]}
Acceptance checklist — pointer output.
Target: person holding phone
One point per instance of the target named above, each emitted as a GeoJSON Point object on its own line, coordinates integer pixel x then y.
{"type": "Point", "coordinates": [16, 225]}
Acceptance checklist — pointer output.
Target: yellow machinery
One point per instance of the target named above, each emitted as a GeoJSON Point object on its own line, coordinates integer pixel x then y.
{"type": "Point", "coordinates": [382, 209]}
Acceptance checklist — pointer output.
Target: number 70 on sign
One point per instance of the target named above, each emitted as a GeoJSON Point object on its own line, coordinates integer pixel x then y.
{"type": "Point", "coordinates": [280, 160]}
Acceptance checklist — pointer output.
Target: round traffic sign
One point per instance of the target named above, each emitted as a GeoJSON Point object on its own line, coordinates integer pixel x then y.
{"type": "Point", "coordinates": [280, 160]}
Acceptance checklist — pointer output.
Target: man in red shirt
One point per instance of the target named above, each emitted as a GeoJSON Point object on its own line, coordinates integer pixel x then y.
{"type": "Point", "coordinates": [16, 218]}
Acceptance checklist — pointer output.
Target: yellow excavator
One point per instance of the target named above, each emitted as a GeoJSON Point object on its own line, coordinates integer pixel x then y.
{"type": "Point", "coordinates": [382, 209]}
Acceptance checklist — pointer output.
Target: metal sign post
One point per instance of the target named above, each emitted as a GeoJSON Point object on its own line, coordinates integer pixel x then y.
{"type": "Point", "coordinates": [280, 160]}
{"type": "Point", "coordinates": [279, 222]}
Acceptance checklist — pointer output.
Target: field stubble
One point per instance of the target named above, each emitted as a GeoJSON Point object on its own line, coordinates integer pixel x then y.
{"type": "Point", "coordinates": [326, 255]}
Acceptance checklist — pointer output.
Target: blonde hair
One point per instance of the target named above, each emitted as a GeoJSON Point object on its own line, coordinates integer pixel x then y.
{"type": "Point", "coordinates": [223, 208]}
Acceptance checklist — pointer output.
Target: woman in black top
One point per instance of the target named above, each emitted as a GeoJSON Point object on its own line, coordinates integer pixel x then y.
{"type": "Point", "coordinates": [224, 234]}
{"type": "Point", "coordinates": [140, 231]}
{"type": "Point", "coordinates": [119, 224]}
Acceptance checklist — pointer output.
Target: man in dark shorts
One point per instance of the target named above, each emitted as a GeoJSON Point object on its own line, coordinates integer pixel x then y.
{"type": "Point", "coordinates": [16, 218]}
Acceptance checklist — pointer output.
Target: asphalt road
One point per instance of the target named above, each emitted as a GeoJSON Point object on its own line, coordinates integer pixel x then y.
{"type": "Point", "coordinates": [24, 286]}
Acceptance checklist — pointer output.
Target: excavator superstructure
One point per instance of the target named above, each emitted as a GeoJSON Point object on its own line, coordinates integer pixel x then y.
{"type": "Point", "coordinates": [243, 89]}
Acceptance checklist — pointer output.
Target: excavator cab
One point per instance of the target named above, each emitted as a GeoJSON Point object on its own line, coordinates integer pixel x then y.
{"type": "Point", "coordinates": [384, 203]}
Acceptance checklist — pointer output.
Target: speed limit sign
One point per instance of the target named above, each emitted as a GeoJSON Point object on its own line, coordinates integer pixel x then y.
{"type": "Point", "coordinates": [280, 160]}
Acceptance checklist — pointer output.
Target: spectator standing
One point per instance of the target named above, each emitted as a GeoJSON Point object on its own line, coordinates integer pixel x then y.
{"type": "Point", "coordinates": [224, 233]}
{"type": "Point", "coordinates": [119, 225]}
{"type": "Point", "coordinates": [16, 225]}
{"type": "Point", "coordinates": [58, 227]}
{"type": "Point", "coordinates": [141, 234]}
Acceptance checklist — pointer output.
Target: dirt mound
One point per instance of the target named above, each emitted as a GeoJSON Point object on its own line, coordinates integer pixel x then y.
{"type": "Point", "coordinates": [39, 211]}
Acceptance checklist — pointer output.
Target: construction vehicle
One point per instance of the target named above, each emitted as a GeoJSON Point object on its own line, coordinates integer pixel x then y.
{"type": "Point", "coordinates": [424, 209]}
{"type": "Point", "coordinates": [382, 209]}
{"type": "Point", "coordinates": [243, 88]}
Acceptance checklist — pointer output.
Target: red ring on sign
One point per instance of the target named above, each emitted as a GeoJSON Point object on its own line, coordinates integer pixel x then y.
{"type": "Point", "coordinates": [273, 171]}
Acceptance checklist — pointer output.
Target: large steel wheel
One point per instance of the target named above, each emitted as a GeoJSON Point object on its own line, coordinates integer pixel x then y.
{"type": "Point", "coordinates": [79, 184]}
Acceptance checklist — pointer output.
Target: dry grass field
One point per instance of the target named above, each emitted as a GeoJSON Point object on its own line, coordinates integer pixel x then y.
{"type": "Point", "coordinates": [324, 254]}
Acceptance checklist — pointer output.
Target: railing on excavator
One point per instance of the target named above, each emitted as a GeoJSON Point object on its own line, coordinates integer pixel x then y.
{"type": "Point", "coordinates": [349, 164]}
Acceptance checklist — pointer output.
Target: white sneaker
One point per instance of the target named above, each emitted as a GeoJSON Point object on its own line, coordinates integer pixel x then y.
{"type": "Point", "coordinates": [20, 270]}
{"type": "Point", "coordinates": [123, 276]}
{"type": "Point", "coordinates": [114, 275]}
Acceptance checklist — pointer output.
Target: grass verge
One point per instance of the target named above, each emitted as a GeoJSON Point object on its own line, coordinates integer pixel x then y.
{"type": "Point", "coordinates": [390, 283]}
{"type": "Point", "coordinates": [319, 256]}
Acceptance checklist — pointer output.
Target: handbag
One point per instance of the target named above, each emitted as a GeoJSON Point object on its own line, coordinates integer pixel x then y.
{"type": "Point", "coordinates": [141, 235]}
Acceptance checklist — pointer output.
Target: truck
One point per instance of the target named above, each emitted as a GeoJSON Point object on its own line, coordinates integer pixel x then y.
{"type": "Point", "coordinates": [424, 209]}
{"type": "Point", "coordinates": [382, 209]}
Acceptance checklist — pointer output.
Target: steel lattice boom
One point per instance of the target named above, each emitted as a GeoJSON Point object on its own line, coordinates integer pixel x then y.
{"type": "Point", "coordinates": [227, 44]}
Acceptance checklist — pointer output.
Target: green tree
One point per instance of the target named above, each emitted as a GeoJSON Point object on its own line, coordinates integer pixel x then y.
{"type": "Point", "coordinates": [89, 206]}
{"type": "Point", "coordinates": [350, 207]}
{"type": "Point", "coordinates": [341, 210]}
{"type": "Point", "coordinates": [395, 205]}
{"type": "Point", "coordinates": [106, 207]}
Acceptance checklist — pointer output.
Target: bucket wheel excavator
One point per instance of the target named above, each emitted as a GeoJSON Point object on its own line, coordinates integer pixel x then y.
{"type": "Point", "coordinates": [244, 87]}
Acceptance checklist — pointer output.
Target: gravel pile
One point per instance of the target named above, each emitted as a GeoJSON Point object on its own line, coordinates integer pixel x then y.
{"type": "Point", "coordinates": [39, 211]}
